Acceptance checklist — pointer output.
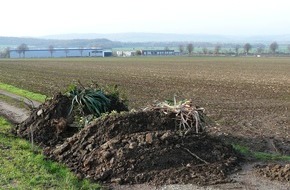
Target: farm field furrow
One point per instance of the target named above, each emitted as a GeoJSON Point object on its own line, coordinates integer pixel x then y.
{"type": "Point", "coordinates": [249, 98]}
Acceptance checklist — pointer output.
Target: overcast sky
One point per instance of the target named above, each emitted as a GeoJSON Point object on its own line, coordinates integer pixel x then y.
{"type": "Point", "coordinates": [229, 17]}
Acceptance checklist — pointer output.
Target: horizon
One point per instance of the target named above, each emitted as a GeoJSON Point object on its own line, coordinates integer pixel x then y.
{"type": "Point", "coordinates": [222, 17]}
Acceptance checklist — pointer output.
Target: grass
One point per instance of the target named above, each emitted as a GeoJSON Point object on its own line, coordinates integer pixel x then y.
{"type": "Point", "coordinates": [20, 168]}
{"type": "Point", "coordinates": [262, 156]}
{"type": "Point", "coordinates": [21, 92]}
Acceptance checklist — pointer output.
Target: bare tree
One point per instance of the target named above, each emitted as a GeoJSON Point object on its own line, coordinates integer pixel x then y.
{"type": "Point", "coordinates": [18, 51]}
{"type": "Point", "coordinates": [138, 52]}
{"type": "Point", "coordinates": [260, 48]}
{"type": "Point", "coordinates": [217, 49]}
{"type": "Point", "coordinates": [181, 49]}
{"type": "Point", "coordinates": [81, 50]}
{"type": "Point", "coordinates": [204, 50]}
{"type": "Point", "coordinates": [237, 47]}
{"type": "Point", "coordinates": [22, 49]}
{"type": "Point", "coordinates": [247, 48]}
{"type": "Point", "coordinates": [51, 50]}
{"type": "Point", "coordinates": [274, 47]}
{"type": "Point", "coordinates": [6, 53]}
{"type": "Point", "coordinates": [190, 48]}
{"type": "Point", "coordinates": [66, 51]}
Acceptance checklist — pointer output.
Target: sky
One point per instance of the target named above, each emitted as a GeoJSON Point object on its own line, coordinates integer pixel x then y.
{"type": "Point", "coordinates": [36, 18]}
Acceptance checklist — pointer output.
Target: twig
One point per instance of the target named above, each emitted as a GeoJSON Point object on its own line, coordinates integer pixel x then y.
{"type": "Point", "coordinates": [275, 147]}
{"type": "Point", "coordinates": [194, 155]}
{"type": "Point", "coordinates": [32, 106]}
{"type": "Point", "coordinates": [32, 140]}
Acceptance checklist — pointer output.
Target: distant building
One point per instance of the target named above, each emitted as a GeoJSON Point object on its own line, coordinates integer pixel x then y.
{"type": "Point", "coordinates": [60, 52]}
{"type": "Point", "coordinates": [125, 53]}
{"type": "Point", "coordinates": [157, 52]}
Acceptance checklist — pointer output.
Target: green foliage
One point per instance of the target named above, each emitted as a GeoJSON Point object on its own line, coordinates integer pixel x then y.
{"type": "Point", "coordinates": [116, 96]}
{"type": "Point", "coordinates": [22, 168]}
{"type": "Point", "coordinates": [89, 101]}
{"type": "Point", "coordinates": [260, 155]}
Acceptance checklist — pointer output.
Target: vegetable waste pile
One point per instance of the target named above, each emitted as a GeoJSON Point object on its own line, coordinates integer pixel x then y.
{"type": "Point", "coordinates": [165, 143]}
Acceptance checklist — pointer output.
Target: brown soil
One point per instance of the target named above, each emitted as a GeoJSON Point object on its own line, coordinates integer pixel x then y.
{"type": "Point", "coordinates": [48, 122]}
{"type": "Point", "coordinates": [130, 148]}
{"type": "Point", "coordinates": [274, 172]}
{"type": "Point", "coordinates": [145, 147]}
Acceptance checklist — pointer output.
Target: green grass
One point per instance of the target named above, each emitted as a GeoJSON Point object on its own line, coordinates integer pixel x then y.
{"type": "Point", "coordinates": [262, 156]}
{"type": "Point", "coordinates": [21, 92]}
{"type": "Point", "coordinates": [21, 168]}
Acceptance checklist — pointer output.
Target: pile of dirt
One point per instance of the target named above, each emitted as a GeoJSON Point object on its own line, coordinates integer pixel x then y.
{"type": "Point", "coordinates": [141, 147]}
{"type": "Point", "coordinates": [48, 124]}
{"type": "Point", "coordinates": [129, 147]}
{"type": "Point", "coordinates": [274, 172]}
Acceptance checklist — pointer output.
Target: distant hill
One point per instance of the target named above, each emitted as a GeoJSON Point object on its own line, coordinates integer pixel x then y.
{"type": "Point", "coordinates": [167, 37]}
{"type": "Point", "coordinates": [137, 40]}
{"type": "Point", "coordinates": [13, 42]}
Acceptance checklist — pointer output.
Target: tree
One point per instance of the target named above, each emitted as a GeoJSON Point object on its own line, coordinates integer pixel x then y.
{"type": "Point", "coordinates": [247, 48]}
{"type": "Point", "coordinates": [217, 49]}
{"type": "Point", "coordinates": [6, 53]}
{"type": "Point", "coordinates": [190, 48]}
{"type": "Point", "coordinates": [138, 52]}
{"type": "Point", "coordinates": [181, 49]}
{"type": "Point", "coordinates": [260, 48]}
{"type": "Point", "coordinates": [51, 50]}
{"type": "Point", "coordinates": [274, 47]}
{"type": "Point", "coordinates": [22, 49]}
{"type": "Point", "coordinates": [66, 51]}
{"type": "Point", "coordinates": [204, 50]}
{"type": "Point", "coordinates": [237, 47]}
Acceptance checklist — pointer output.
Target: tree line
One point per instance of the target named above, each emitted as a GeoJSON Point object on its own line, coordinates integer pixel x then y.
{"type": "Point", "coordinates": [23, 48]}
{"type": "Point", "coordinates": [216, 49]}
{"type": "Point", "coordinates": [189, 48]}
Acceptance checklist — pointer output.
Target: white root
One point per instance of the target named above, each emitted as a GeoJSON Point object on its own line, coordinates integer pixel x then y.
{"type": "Point", "coordinates": [187, 115]}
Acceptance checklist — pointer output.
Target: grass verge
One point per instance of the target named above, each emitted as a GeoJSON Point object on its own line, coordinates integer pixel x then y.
{"type": "Point", "coordinates": [21, 92]}
{"type": "Point", "coordinates": [21, 168]}
{"type": "Point", "coordinates": [262, 156]}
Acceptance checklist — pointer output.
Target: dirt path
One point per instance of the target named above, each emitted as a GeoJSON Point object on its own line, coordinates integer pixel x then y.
{"type": "Point", "coordinates": [245, 179]}
{"type": "Point", "coordinates": [27, 101]}
{"type": "Point", "coordinates": [12, 113]}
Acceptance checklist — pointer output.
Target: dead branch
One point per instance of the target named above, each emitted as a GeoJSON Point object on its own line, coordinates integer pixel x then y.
{"type": "Point", "coordinates": [187, 116]}
{"type": "Point", "coordinates": [194, 155]}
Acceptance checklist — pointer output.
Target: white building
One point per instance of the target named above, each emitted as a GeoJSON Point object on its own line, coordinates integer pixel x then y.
{"type": "Point", "coordinates": [60, 52]}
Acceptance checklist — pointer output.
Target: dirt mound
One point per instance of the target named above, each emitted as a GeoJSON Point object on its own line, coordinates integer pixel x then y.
{"type": "Point", "coordinates": [51, 123]}
{"type": "Point", "coordinates": [129, 147]}
{"type": "Point", "coordinates": [274, 172]}
{"type": "Point", "coordinates": [48, 124]}
{"type": "Point", "coordinates": [145, 147]}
